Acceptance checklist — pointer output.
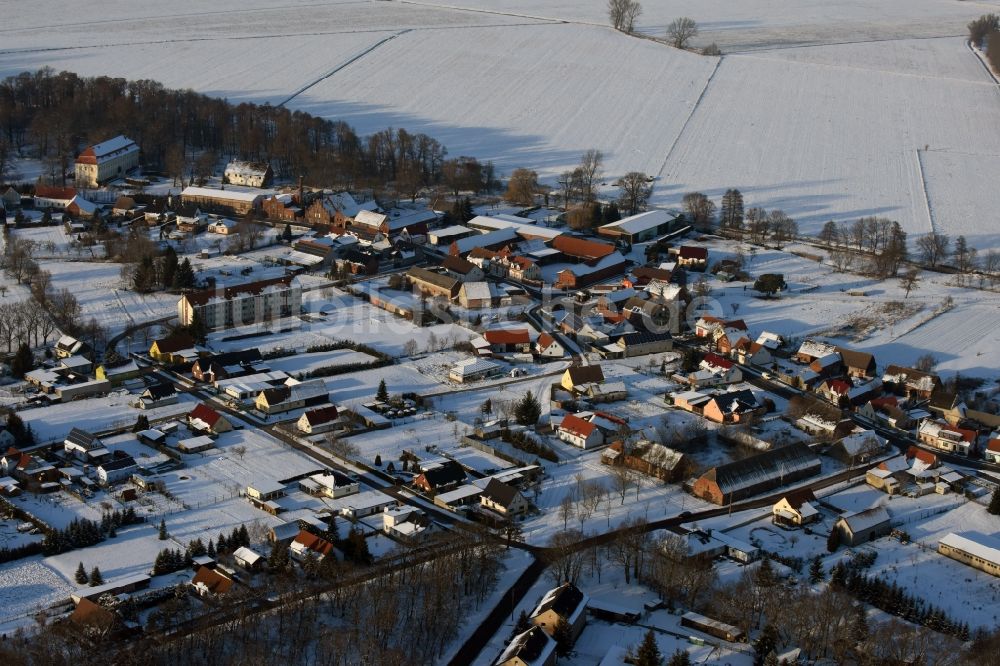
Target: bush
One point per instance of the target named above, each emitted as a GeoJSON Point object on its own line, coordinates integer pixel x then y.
{"type": "Point", "coordinates": [983, 26]}
{"type": "Point", "coordinates": [528, 444]}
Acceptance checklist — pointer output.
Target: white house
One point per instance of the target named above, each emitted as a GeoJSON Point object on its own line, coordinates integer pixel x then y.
{"type": "Point", "coordinates": [547, 346]}
{"type": "Point", "coordinates": [580, 432]}
{"type": "Point", "coordinates": [115, 470]}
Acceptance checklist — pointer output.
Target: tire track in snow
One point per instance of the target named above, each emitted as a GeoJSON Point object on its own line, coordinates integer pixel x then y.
{"type": "Point", "coordinates": [350, 61]}
{"type": "Point", "coordinates": [687, 121]}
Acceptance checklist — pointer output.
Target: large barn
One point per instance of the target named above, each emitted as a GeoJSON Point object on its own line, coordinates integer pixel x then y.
{"type": "Point", "coordinates": [765, 471]}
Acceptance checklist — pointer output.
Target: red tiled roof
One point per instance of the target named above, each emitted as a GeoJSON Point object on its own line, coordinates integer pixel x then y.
{"type": "Point", "coordinates": [923, 456]}
{"type": "Point", "coordinates": [213, 580]}
{"type": "Point", "coordinates": [205, 413]}
{"type": "Point", "coordinates": [545, 340]}
{"type": "Point", "coordinates": [507, 337]}
{"type": "Point", "coordinates": [321, 415]}
{"type": "Point", "coordinates": [580, 248]}
{"type": "Point", "coordinates": [574, 424]}
{"type": "Point", "coordinates": [839, 386]}
{"type": "Point", "coordinates": [718, 361]}
{"type": "Point", "coordinates": [50, 192]}
{"type": "Point", "coordinates": [314, 543]}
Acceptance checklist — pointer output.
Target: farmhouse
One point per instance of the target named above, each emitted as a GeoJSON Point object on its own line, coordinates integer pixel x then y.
{"type": "Point", "coordinates": [318, 420]}
{"type": "Point", "coordinates": [910, 382]}
{"type": "Point", "coordinates": [239, 305]}
{"type": "Point", "coordinates": [758, 473]}
{"type": "Point", "coordinates": [475, 295]}
{"type": "Point", "coordinates": [863, 526]}
{"type": "Point", "coordinates": [533, 647]}
{"type": "Point", "coordinates": [507, 341]}
{"type": "Point", "coordinates": [565, 603]}
{"type": "Point", "coordinates": [647, 457]}
{"type": "Point", "coordinates": [50, 196]}
{"type": "Point", "coordinates": [462, 269]}
{"type": "Point", "coordinates": [228, 202]}
{"type": "Point", "coordinates": [580, 432]}
{"type": "Point", "coordinates": [795, 509]}
{"type": "Point", "coordinates": [106, 161]}
{"type": "Point", "coordinates": [251, 174]}
{"type": "Point", "coordinates": [977, 550]}
{"type": "Point", "coordinates": [205, 419]}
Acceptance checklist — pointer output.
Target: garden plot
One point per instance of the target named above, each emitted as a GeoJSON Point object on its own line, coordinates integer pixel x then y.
{"type": "Point", "coordinates": [11, 538]}
{"type": "Point", "coordinates": [29, 585]}
{"type": "Point", "coordinates": [59, 509]}
{"type": "Point", "coordinates": [827, 142]}
{"type": "Point", "coordinates": [54, 422]}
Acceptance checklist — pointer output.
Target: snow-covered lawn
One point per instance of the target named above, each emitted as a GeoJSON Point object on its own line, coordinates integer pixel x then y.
{"type": "Point", "coordinates": [29, 585]}
{"type": "Point", "coordinates": [95, 414]}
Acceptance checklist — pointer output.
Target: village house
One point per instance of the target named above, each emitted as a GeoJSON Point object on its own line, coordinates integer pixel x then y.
{"type": "Point", "coordinates": [462, 269]}
{"type": "Point", "coordinates": [492, 240]}
{"type": "Point", "coordinates": [52, 197]}
{"type": "Point", "coordinates": [811, 350]}
{"type": "Point", "coordinates": [992, 451]}
{"type": "Point", "coordinates": [477, 295]}
{"type": "Point", "coordinates": [283, 208]}
{"type": "Point", "coordinates": [222, 226]}
{"type": "Point", "coordinates": [215, 368]}
{"type": "Point", "coordinates": [758, 473]}
{"type": "Point", "coordinates": [250, 174]}
{"type": "Point", "coordinates": [858, 448]}
{"type": "Point", "coordinates": [975, 549]}
{"type": "Point", "coordinates": [857, 364]}
{"type": "Point", "coordinates": [710, 327]}
{"type": "Point", "coordinates": [547, 346]}
{"type": "Point", "coordinates": [239, 305]}
{"type": "Point", "coordinates": [733, 407]}
{"type": "Point", "coordinates": [910, 383]}
{"type": "Point", "coordinates": [473, 370]}
{"type": "Point", "coordinates": [577, 378]}
{"type": "Point", "coordinates": [94, 617]}
{"type": "Point", "coordinates": [863, 526]}
{"type": "Point", "coordinates": [533, 647]}
{"type": "Point", "coordinates": [692, 258]}
{"type": "Point", "coordinates": [641, 343]}
{"type": "Point", "coordinates": [205, 419]}
{"type": "Point", "coordinates": [85, 446]}
{"type": "Point", "coordinates": [440, 477]}
{"type": "Point", "coordinates": [795, 509]}
{"type": "Point", "coordinates": [174, 349]}
{"type": "Point", "coordinates": [306, 544]}
{"type": "Point", "coordinates": [106, 161]}
{"type": "Point", "coordinates": [67, 346]}
{"type": "Point", "coordinates": [292, 395]}
{"type": "Point", "coordinates": [888, 475]}
{"type": "Point", "coordinates": [647, 457]}
{"type": "Point", "coordinates": [406, 523]}
{"type": "Point", "coordinates": [248, 559]}
{"type": "Point", "coordinates": [318, 420]}
{"type": "Point", "coordinates": [948, 438]}
{"type": "Point", "coordinates": [503, 499]}
{"type": "Point", "coordinates": [565, 603]}
{"type": "Point", "coordinates": [580, 432]}
{"type": "Point", "coordinates": [118, 468]}
{"type": "Point", "coordinates": [508, 341]}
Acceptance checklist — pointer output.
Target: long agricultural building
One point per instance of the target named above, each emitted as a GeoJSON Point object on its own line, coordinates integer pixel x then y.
{"type": "Point", "coordinates": [759, 473]}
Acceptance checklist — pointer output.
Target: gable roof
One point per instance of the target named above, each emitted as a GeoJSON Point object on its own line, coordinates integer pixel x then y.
{"type": "Point", "coordinates": [534, 646]}
{"type": "Point", "coordinates": [563, 601]}
{"type": "Point", "coordinates": [585, 374]}
{"type": "Point", "coordinates": [797, 498]}
{"type": "Point", "coordinates": [693, 252]}
{"type": "Point", "coordinates": [856, 359]}
{"type": "Point", "coordinates": [436, 279]}
{"type": "Point", "coordinates": [174, 343]}
{"type": "Point", "coordinates": [504, 336]}
{"type": "Point", "coordinates": [735, 476]}
{"type": "Point", "coordinates": [545, 341]}
{"type": "Point", "coordinates": [321, 415]}
{"type": "Point", "coordinates": [716, 361]}
{"type": "Point", "coordinates": [52, 192]}
{"type": "Point", "coordinates": [215, 582]}
{"type": "Point", "coordinates": [867, 519]}
{"type": "Point", "coordinates": [500, 493]}
{"type": "Point", "coordinates": [160, 390]}
{"type": "Point", "coordinates": [572, 423]}
{"type": "Point", "coordinates": [458, 265]}
{"type": "Point", "coordinates": [205, 414]}
{"type": "Point", "coordinates": [313, 542]}
{"type": "Point", "coordinates": [736, 402]}
{"type": "Point", "coordinates": [582, 249]}
{"type": "Point", "coordinates": [90, 614]}
{"type": "Point", "coordinates": [445, 474]}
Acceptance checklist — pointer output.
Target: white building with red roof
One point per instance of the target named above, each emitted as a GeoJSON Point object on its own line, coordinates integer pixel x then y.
{"type": "Point", "coordinates": [106, 161]}
{"type": "Point", "coordinates": [580, 432]}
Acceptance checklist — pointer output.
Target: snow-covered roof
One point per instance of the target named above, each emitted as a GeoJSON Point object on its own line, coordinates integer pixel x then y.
{"type": "Point", "coordinates": [477, 290]}
{"type": "Point", "coordinates": [643, 221]}
{"type": "Point", "coordinates": [817, 349]}
{"type": "Point", "coordinates": [232, 195]}
{"type": "Point", "coordinates": [976, 544]}
{"type": "Point", "coordinates": [247, 555]}
{"type": "Point", "coordinates": [472, 366]}
{"type": "Point", "coordinates": [867, 519]}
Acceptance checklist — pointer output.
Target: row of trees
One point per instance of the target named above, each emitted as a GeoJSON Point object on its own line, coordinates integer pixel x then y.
{"type": "Point", "coordinates": [184, 134]}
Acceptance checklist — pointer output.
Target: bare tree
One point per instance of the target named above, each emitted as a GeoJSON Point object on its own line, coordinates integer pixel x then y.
{"type": "Point", "coordinates": [589, 172]}
{"type": "Point", "coordinates": [700, 210]}
{"type": "Point", "coordinates": [933, 247]}
{"type": "Point", "coordinates": [909, 280]}
{"type": "Point", "coordinates": [621, 480]}
{"type": "Point", "coordinates": [521, 187]}
{"type": "Point", "coordinates": [623, 14]}
{"type": "Point", "coordinates": [681, 31]}
{"type": "Point", "coordinates": [926, 363]}
{"type": "Point", "coordinates": [634, 190]}
{"type": "Point", "coordinates": [567, 558]}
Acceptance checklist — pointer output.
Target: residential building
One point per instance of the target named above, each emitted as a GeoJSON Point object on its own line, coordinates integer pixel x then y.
{"type": "Point", "coordinates": [975, 549]}
{"type": "Point", "coordinates": [992, 451]}
{"type": "Point", "coordinates": [547, 346]}
{"type": "Point", "coordinates": [795, 509]}
{"type": "Point", "coordinates": [406, 522]}
{"type": "Point", "coordinates": [289, 396]}
{"type": "Point", "coordinates": [859, 447]}
{"type": "Point", "coordinates": [733, 407]}
{"type": "Point", "coordinates": [205, 419]}
{"type": "Point", "coordinates": [863, 526]}
{"type": "Point", "coordinates": [175, 348]}
{"type": "Point", "coordinates": [565, 603]}
{"type": "Point", "coordinates": [692, 258]}
{"type": "Point", "coordinates": [509, 340]}
{"type": "Point", "coordinates": [440, 477]}
{"type": "Point", "coordinates": [910, 382]}
{"type": "Point", "coordinates": [67, 346]}
{"type": "Point", "coordinates": [477, 295]}
{"type": "Point", "coordinates": [533, 647]}
{"type": "Point", "coordinates": [580, 432]}
{"type": "Point", "coordinates": [249, 303]}
{"type": "Point", "coordinates": [52, 197]}
{"type": "Point", "coordinates": [578, 377]}
{"type": "Point", "coordinates": [944, 437]}
{"type": "Point", "coordinates": [462, 269]}
{"type": "Point", "coordinates": [84, 446]}
{"type": "Point", "coordinates": [249, 559]}
{"type": "Point", "coordinates": [761, 472]}
{"type": "Point", "coordinates": [649, 458]}
{"type": "Point", "coordinates": [504, 499]}
{"type": "Point", "coordinates": [118, 468]}
{"type": "Point", "coordinates": [318, 420]}
{"type": "Point", "coordinates": [332, 484]}
{"type": "Point", "coordinates": [106, 161]}
{"type": "Point", "coordinates": [251, 174]}
{"type": "Point", "coordinates": [215, 368]}
{"type": "Point", "coordinates": [857, 363]}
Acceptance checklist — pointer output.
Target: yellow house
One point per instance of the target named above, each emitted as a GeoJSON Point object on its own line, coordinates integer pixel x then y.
{"type": "Point", "coordinates": [534, 647]}
{"type": "Point", "coordinates": [579, 375]}
{"type": "Point", "coordinates": [118, 373]}
{"type": "Point", "coordinates": [795, 509]}
{"type": "Point", "coordinates": [175, 348]}
{"type": "Point", "coordinates": [564, 603]}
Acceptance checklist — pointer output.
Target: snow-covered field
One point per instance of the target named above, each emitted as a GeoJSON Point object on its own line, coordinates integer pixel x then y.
{"type": "Point", "coordinates": [94, 414]}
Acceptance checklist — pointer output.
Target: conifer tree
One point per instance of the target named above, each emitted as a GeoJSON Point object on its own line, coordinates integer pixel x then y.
{"type": "Point", "coordinates": [95, 577]}
{"type": "Point", "coordinates": [163, 530]}
{"type": "Point", "coordinates": [816, 570]}
{"type": "Point", "coordinates": [994, 506]}
{"type": "Point", "coordinates": [648, 653]}
{"type": "Point", "coordinates": [766, 642]}
{"type": "Point", "coordinates": [383, 392]}
{"type": "Point", "coordinates": [81, 575]}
